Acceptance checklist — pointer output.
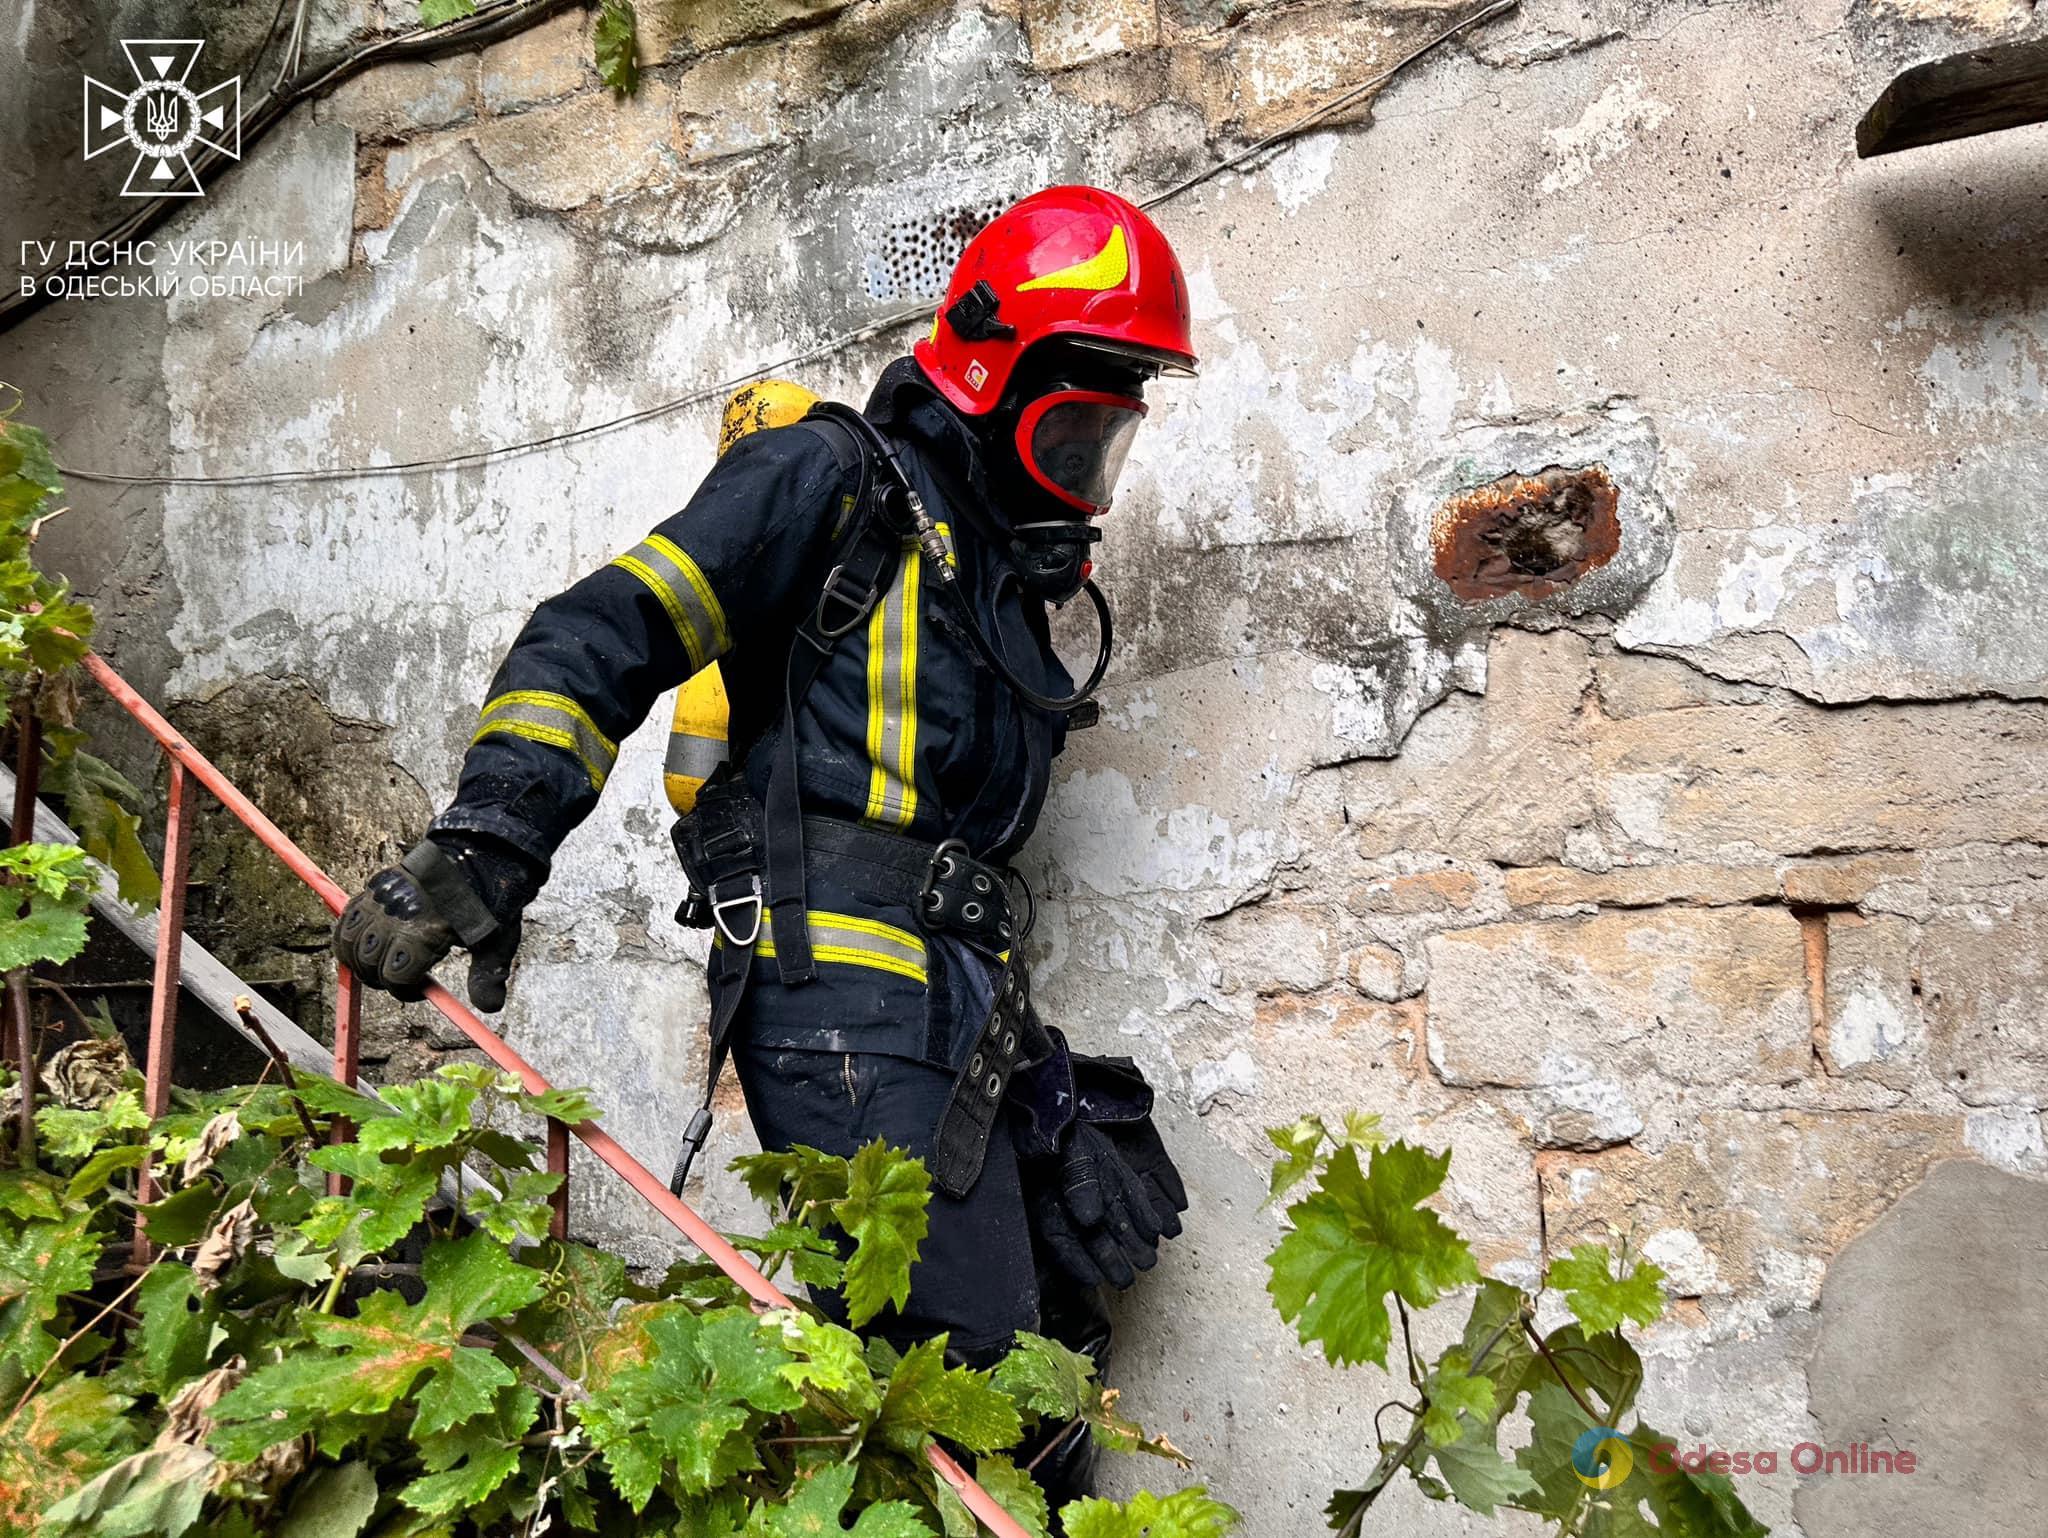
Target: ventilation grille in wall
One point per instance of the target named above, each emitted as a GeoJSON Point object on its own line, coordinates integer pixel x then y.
{"type": "Point", "coordinates": [910, 255]}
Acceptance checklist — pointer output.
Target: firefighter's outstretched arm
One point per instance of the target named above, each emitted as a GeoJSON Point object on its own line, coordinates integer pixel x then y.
{"type": "Point", "coordinates": [728, 570]}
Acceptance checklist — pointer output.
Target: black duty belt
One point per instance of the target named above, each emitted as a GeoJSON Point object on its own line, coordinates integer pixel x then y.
{"type": "Point", "coordinates": [953, 893]}
{"type": "Point", "coordinates": [1010, 1039]}
{"type": "Point", "coordinates": [949, 890]}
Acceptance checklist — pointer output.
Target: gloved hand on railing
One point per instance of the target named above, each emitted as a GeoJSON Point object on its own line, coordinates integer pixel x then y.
{"type": "Point", "coordinates": [450, 889]}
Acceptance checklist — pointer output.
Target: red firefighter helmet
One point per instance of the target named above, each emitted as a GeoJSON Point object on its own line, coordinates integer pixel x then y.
{"type": "Point", "coordinates": [1071, 262]}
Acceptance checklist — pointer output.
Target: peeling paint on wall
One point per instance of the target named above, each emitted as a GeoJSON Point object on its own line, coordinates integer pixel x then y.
{"type": "Point", "coordinates": [1688, 858]}
{"type": "Point", "coordinates": [1605, 130]}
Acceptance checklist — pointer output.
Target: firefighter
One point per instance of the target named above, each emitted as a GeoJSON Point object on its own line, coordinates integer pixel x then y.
{"type": "Point", "coordinates": [874, 587]}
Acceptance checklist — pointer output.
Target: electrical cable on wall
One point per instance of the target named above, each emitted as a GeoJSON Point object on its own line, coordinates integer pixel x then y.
{"type": "Point", "coordinates": [796, 361]}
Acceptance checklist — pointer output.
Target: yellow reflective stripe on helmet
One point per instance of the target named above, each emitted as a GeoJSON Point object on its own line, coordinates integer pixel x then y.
{"type": "Point", "coordinates": [847, 940]}
{"type": "Point", "coordinates": [554, 720]}
{"type": "Point", "coordinates": [685, 592]}
{"type": "Point", "coordinates": [1106, 269]}
{"type": "Point", "coordinates": [892, 697]}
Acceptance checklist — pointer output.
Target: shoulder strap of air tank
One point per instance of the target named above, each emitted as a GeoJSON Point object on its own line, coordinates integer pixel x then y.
{"type": "Point", "coordinates": [869, 549]}
{"type": "Point", "coordinates": [845, 444]}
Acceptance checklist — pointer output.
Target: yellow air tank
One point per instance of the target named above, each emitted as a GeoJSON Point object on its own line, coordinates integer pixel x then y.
{"type": "Point", "coordinates": [696, 738]}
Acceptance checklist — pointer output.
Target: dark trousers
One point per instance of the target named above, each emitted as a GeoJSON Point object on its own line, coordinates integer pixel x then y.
{"type": "Point", "coordinates": [977, 1280]}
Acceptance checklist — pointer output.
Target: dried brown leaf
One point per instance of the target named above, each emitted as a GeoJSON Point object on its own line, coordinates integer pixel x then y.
{"type": "Point", "coordinates": [214, 1137]}
{"type": "Point", "coordinates": [188, 1418]}
{"type": "Point", "coordinates": [272, 1469]}
{"type": "Point", "coordinates": [1127, 1436]}
{"type": "Point", "coordinates": [85, 1075]}
{"type": "Point", "coordinates": [224, 1244]}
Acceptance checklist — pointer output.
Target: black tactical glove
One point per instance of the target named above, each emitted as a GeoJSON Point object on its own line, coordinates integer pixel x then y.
{"type": "Point", "coordinates": [450, 889]}
{"type": "Point", "coordinates": [1143, 1151]}
{"type": "Point", "coordinates": [1101, 1189]}
{"type": "Point", "coordinates": [1092, 1210]}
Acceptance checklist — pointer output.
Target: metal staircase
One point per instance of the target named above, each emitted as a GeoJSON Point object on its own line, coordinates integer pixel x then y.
{"type": "Point", "coordinates": [182, 963]}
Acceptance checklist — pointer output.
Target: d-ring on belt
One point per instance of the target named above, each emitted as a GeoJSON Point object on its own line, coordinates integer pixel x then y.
{"type": "Point", "coordinates": [944, 885]}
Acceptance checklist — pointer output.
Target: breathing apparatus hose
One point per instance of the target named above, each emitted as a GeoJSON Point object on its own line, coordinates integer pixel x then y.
{"type": "Point", "coordinates": [938, 558]}
{"type": "Point", "coordinates": [950, 582]}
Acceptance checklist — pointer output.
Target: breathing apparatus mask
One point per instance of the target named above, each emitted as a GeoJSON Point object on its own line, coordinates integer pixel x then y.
{"type": "Point", "coordinates": [1059, 441]}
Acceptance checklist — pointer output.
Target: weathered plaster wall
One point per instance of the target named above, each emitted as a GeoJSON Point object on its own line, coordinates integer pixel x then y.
{"type": "Point", "coordinates": [1704, 896]}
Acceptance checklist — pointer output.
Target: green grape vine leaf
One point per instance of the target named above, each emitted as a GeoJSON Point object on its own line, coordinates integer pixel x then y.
{"type": "Point", "coordinates": [1599, 1297]}
{"type": "Point", "coordinates": [883, 1212]}
{"type": "Point", "coordinates": [816, 1505]}
{"type": "Point", "coordinates": [1189, 1513]}
{"type": "Point", "coordinates": [615, 41]}
{"type": "Point", "coordinates": [1360, 1235]}
{"type": "Point", "coordinates": [689, 1400]}
{"type": "Point", "coordinates": [926, 1398]}
{"type": "Point", "coordinates": [365, 1364]}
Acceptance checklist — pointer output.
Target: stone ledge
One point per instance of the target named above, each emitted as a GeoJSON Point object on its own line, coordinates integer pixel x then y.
{"type": "Point", "coordinates": [392, 101]}
{"type": "Point", "coordinates": [1699, 996]}
{"type": "Point", "coordinates": [552, 60]}
{"type": "Point", "coordinates": [1752, 1205]}
{"type": "Point", "coordinates": [1642, 886]}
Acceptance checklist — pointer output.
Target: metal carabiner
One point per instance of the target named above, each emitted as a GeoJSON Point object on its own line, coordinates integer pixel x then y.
{"type": "Point", "coordinates": [1014, 876]}
{"type": "Point", "coordinates": [859, 603]}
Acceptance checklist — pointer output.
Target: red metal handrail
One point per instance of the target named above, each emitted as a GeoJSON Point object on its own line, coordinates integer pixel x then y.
{"type": "Point", "coordinates": [187, 760]}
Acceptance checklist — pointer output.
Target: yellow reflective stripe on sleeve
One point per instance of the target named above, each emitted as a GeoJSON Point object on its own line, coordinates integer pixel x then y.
{"type": "Point", "coordinates": [892, 697]}
{"type": "Point", "coordinates": [700, 584]}
{"type": "Point", "coordinates": [543, 699]}
{"type": "Point", "coordinates": [685, 593]}
{"type": "Point", "coordinates": [554, 720]}
{"type": "Point", "coordinates": [846, 940]}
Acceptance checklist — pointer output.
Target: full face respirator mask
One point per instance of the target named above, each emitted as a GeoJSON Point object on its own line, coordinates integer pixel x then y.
{"type": "Point", "coordinates": [1070, 437]}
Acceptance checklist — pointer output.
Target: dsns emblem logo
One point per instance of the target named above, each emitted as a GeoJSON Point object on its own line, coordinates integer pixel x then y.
{"type": "Point", "coordinates": [1600, 1457]}
{"type": "Point", "coordinates": [162, 119]}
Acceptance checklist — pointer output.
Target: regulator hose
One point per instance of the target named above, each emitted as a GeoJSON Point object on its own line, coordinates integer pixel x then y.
{"type": "Point", "coordinates": [936, 555]}
{"type": "Point", "coordinates": [950, 581]}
